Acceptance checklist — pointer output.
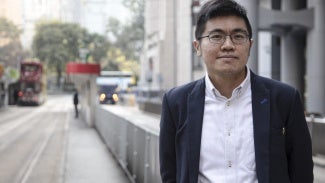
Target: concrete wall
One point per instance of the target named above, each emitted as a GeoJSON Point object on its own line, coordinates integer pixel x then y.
{"type": "Point", "coordinates": [132, 137]}
{"type": "Point", "coordinates": [317, 131]}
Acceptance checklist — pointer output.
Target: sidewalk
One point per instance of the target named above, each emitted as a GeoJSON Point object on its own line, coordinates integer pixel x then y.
{"type": "Point", "coordinates": [87, 159]}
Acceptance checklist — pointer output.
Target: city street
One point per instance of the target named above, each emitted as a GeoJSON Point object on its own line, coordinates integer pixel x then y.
{"type": "Point", "coordinates": [46, 144]}
{"type": "Point", "coordinates": [34, 147]}
{"type": "Point", "coordinates": [32, 141]}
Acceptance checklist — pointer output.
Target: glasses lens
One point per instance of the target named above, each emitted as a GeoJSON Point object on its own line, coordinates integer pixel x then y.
{"type": "Point", "coordinates": [236, 38]}
{"type": "Point", "coordinates": [216, 37]}
{"type": "Point", "coordinates": [239, 38]}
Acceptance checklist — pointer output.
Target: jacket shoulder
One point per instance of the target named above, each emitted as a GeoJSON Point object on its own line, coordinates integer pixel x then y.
{"type": "Point", "coordinates": [273, 85]}
{"type": "Point", "coordinates": [184, 90]}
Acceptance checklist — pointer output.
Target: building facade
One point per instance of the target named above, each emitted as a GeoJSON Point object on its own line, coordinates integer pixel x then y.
{"type": "Point", "coordinates": [167, 25]}
{"type": "Point", "coordinates": [289, 43]}
{"type": "Point", "coordinates": [11, 9]}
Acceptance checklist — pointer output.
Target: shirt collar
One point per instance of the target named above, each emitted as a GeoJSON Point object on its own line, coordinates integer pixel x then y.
{"type": "Point", "coordinates": [211, 90]}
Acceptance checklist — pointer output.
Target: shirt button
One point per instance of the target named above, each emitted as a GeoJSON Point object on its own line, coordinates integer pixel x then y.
{"type": "Point", "coordinates": [228, 103]}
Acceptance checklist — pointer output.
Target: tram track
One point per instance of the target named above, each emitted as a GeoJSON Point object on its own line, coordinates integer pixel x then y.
{"type": "Point", "coordinates": [15, 113]}
{"type": "Point", "coordinates": [8, 124]}
{"type": "Point", "coordinates": [32, 145]}
{"type": "Point", "coordinates": [30, 164]}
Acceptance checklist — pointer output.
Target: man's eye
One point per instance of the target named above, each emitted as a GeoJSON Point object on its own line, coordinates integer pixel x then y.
{"type": "Point", "coordinates": [239, 36]}
{"type": "Point", "coordinates": [216, 36]}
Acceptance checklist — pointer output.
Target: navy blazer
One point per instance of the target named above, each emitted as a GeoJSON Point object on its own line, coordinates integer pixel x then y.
{"type": "Point", "coordinates": [280, 158]}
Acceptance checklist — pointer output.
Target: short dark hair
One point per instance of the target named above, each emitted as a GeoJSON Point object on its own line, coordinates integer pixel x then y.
{"type": "Point", "coordinates": [217, 8]}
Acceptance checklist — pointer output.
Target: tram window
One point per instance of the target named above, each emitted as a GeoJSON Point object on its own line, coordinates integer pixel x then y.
{"type": "Point", "coordinates": [30, 68]}
{"type": "Point", "coordinates": [37, 87]}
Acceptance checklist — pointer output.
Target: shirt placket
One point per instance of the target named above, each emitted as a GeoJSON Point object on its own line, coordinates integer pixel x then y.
{"type": "Point", "coordinates": [230, 145]}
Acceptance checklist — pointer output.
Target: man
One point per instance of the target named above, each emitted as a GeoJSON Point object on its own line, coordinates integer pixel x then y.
{"type": "Point", "coordinates": [76, 102]}
{"type": "Point", "coordinates": [232, 126]}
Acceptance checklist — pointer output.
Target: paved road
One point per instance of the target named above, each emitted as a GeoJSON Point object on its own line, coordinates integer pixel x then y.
{"type": "Point", "coordinates": [32, 142]}
{"type": "Point", "coordinates": [46, 144]}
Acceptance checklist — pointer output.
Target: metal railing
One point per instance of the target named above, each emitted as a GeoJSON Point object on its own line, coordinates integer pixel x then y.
{"type": "Point", "coordinates": [317, 131]}
{"type": "Point", "coordinates": [132, 137]}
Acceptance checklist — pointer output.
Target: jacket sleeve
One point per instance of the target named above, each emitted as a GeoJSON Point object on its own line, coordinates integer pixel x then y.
{"type": "Point", "coordinates": [167, 154]}
{"type": "Point", "coordinates": [299, 148]}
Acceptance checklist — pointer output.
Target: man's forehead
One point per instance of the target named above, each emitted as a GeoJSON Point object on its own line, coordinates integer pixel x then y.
{"type": "Point", "coordinates": [235, 30]}
{"type": "Point", "coordinates": [226, 24]}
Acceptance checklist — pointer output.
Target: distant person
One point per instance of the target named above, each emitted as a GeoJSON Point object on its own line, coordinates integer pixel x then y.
{"type": "Point", "coordinates": [16, 95]}
{"type": "Point", "coordinates": [232, 126]}
{"type": "Point", "coordinates": [76, 102]}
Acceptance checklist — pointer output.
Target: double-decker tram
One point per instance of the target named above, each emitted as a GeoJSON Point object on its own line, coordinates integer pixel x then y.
{"type": "Point", "coordinates": [2, 93]}
{"type": "Point", "coordinates": [2, 87]}
{"type": "Point", "coordinates": [32, 84]}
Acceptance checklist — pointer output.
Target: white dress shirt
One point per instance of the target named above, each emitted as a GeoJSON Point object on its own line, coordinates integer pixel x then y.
{"type": "Point", "coordinates": [227, 142]}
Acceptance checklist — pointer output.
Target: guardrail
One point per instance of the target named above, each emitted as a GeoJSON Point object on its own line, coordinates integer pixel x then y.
{"type": "Point", "coordinates": [132, 137]}
{"type": "Point", "coordinates": [317, 132]}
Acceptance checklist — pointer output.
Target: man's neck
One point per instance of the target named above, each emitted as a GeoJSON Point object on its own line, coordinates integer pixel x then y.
{"type": "Point", "coordinates": [226, 85]}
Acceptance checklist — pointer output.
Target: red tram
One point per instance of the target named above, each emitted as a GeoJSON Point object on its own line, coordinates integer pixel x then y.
{"type": "Point", "coordinates": [32, 84]}
{"type": "Point", "coordinates": [2, 87]}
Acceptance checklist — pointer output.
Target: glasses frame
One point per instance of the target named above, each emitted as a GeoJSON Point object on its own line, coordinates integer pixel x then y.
{"type": "Point", "coordinates": [231, 36]}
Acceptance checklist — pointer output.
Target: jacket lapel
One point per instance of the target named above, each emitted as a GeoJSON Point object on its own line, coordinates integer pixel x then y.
{"type": "Point", "coordinates": [261, 122]}
{"type": "Point", "coordinates": [195, 118]}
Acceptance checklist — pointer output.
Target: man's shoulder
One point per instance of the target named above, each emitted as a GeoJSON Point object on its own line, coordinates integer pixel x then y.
{"type": "Point", "coordinates": [274, 86]}
{"type": "Point", "coordinates": [186, 88]}
{"type": "Point", "coordinates": [269, 82]}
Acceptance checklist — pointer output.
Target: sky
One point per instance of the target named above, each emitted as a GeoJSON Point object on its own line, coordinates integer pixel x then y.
{"type": "Point", "coordinates": [116, 9]}
{"type": "Point", "coordinates": [98, 14]}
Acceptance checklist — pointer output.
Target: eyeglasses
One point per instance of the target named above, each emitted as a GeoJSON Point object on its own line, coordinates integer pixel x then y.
{"type": "Point", "coordinates": [220, 38]}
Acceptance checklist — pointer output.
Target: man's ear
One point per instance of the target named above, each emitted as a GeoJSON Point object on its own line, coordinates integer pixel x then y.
{"type": "Point", "coordinates": [197, 47]}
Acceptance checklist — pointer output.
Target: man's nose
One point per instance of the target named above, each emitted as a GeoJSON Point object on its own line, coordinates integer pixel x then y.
{"type": "Point", "coordinates": [228, 42]}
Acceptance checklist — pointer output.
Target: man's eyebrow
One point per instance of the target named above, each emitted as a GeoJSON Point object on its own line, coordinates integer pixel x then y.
{"type": "Point", "coordinates": [240, 30]}
{"type": "Point", "coordinates": [232, 31]}
{"type": "Point", "coordinates": [216, 30]}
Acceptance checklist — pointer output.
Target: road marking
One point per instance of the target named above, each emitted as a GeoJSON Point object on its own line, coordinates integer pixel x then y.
{"type": "Point", "coordinates": [65, 149]}
{"type": "Point", "coordinates": [8, 127]}
{"type": "Point", "coordinates": [37, 154]}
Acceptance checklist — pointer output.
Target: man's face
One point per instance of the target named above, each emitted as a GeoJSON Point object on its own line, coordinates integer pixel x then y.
{"type": "Point", "coordinates": [224, 59]}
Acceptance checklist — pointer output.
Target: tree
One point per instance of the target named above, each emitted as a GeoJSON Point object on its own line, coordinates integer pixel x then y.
{"type": "Point", "coordinates": [57, 43]}
{"type": "Point", "coordinates": [11, 51]}
{"type": "Point", "coordinates": [110, 63]}
{"type": "Point", "coordinates": [129, 38]}
{"type": "Point", "coordinates": [8, 30]}
{"type": "Point", "coordinates": [135, 29]}
{"type": "Point", "coordinates": [97, 45]}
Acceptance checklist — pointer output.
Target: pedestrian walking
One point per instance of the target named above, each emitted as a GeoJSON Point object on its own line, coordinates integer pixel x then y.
{"type": "Point", "coordinates": [232, 126]}
{"type": "Point", "coordinates": [76, 102]}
